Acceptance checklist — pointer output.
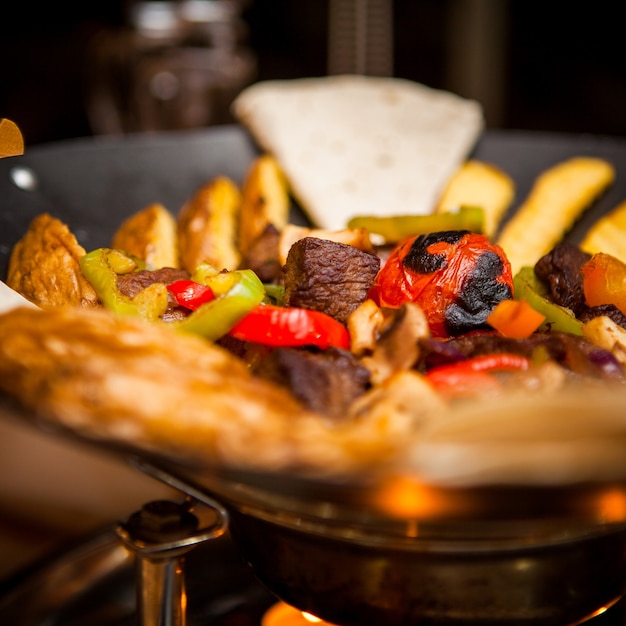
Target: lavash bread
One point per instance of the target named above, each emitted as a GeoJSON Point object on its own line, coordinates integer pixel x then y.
{"type": "Point", "coordinates": [361, 145]}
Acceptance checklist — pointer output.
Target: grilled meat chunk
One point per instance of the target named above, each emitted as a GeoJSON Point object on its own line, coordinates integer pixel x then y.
{"type": "Point", "coordinates": [262, 256]}
{"type": "Point", "coordinates": [560, 271]}
{"type": "Point", "coordinates": [325, 382]}
{"type": "Point", "coordinates": [327, 276]}
{"type": "Point", "coordinates": [131, 284]}
{"type": "Point", "coordinates": [603, 310]}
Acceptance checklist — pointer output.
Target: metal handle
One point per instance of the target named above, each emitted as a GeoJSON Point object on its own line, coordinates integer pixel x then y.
{"type": "Point", "coordinates": [160, 535]}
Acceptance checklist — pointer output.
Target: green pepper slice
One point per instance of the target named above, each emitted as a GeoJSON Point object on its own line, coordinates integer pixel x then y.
{"type": "Point", "coordinates": [528, 287]}
{"type": "Point", "coordinates": [237, 293]}
{"type": "Point", "coordinates": [101, 268]}
{"type": "Point", "coordinates": [397, 228]}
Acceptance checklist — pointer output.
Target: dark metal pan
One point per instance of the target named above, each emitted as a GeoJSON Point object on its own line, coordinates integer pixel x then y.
{"type": "Point", "coordinates": [534, 556]}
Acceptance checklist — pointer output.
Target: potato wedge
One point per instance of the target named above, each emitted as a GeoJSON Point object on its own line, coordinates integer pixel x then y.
{"type": "Point", "coordinates": [264, 200]}
{"type": "Point", "coordinates": [608, 234]}
{"type": "Point", "coordinates": [44, 267]}
{"type": "Point", "coordinates": [482, 185]}
{"type": "Point", "coordinates": [558, 198]}
{"type": "Point", "coordinates": [357, 237]}
{"type": "Point", "coordinates": [150, 235]}
{"type": "Point", "coordinates": [207, 225]}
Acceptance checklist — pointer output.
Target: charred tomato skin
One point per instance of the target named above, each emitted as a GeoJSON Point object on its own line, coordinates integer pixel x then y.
{"type": "Point", "coordinates": [457, 277]}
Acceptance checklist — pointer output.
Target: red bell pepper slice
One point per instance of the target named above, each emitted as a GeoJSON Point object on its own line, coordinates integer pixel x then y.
{"type": "Point", "coordinates": [190, 294]}
{"type": "Point", "coordinates": [273, 325]}
{"type": "Point", "coordinates": [471, 376]}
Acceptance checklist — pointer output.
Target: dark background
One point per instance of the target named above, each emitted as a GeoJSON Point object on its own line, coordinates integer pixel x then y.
{"type": "Point", "coordinates": [534, 64]}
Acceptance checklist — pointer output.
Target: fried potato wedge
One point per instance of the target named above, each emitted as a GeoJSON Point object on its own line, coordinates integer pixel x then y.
{"type": "Point", "coordinates": [608, 234]}
{"type": "Point", "coordinates": [44, 266]}
{"type": "Point", "coordinates": [481, 185]}
{"type": "Point", "coordinates": [150, 235]}
{"type": "Point", "coordinates": [264, 201]}
{"type": "Point", "coordinates": [357, 237]}
{"type": "Point", "coordinates": [207, 226]}
{"type": "Point", "coordinates": [558, 198]}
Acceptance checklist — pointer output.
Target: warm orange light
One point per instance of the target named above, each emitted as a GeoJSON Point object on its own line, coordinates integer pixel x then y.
{"type": "Point", "coordinates": [405, 498]}
{"type": "Point", "coordinates": [281, 614]}
{"type": "Point", "coordinates": [612, 505]}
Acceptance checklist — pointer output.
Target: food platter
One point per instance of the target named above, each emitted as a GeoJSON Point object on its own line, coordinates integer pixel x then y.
{"type": "Point", "coordinates": [92, 184]}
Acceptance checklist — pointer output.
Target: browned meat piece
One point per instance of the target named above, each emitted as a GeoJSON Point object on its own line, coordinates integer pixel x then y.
{"type": "Point", "coordinates": [560, 271]}
{"type": "Point", "coordinates": [325, 382]}
{"type": "Point", "coordinates": [328, 276]}
{"type": "Point", "coordinates": [603, 310]}
{"type": "Point", "coordinates": [131, 284]}
{"type": "Point", "coordinates": [262, 256]}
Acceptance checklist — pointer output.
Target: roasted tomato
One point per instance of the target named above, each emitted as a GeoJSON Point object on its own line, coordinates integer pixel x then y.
{"type": "Point", "coordinates": [456, 276]}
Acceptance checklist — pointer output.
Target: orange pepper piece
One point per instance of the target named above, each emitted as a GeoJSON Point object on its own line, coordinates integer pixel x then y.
{"type": "Point", "coordinates": [604, 281]}
{"type": "Point", "coordinates": [515, 319]}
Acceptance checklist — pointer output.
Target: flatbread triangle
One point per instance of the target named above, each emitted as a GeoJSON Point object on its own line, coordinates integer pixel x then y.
{"type": "Point", "coordinates": [357, 145]}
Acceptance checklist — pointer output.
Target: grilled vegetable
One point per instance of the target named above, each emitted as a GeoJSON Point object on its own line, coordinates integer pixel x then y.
{"type": "Point", "coordinates": [608, 234]}
{"type": "Point", "coordinates": [237, 293]}
{"type": "Point", "coordinates": [207, 226]}
{"type": "Point", "coordinates": [558, 198]}
{"type": "Point", "coordinates": [101, 268]}
{"type": "Point", "coordinates": [291, 326]}
{"type": "Point", "coordinates": [397, 228]}
{"type": "Point", "coordinates": [472, 376]}
{"type": "Point", "coordinates": [515, 319]}
{"type": "Point", "coordinates": [528, 287]}
{"type": "Point", "coordinates": [264, 201]}
{"type": "Point", "coordinates": [604, 281]}
{"type": "Point", "coordinates": [190, 294]}
{"type": "Point", "coordinates": [149, 235]}
{"type": "Point", "coordinates": [483, 185]}
{"type": "Point", "coordinates": [457, 277]}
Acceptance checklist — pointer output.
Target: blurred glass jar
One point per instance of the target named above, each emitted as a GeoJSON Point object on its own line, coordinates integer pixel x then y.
{"type": "Point", "coordinates": [176, 65]}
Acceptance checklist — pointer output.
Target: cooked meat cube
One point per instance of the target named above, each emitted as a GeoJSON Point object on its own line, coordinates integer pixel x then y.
{"type": "Point", "coordinates": [560, 271]}
{"type": "Point", "coordinates": [131, 284]}
{"type": "Point", "coordinates": [328, 276]}
{"type": "Point", "coordinates": [603, 310]}
{"type": "Point", "coordinates": [262, 256]}
{"type": "Point", "coordinates": [325, 382]}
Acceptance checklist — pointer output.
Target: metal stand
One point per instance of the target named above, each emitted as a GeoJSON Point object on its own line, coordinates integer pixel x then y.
{"type": "Point", "coordinates": [160, 535]}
